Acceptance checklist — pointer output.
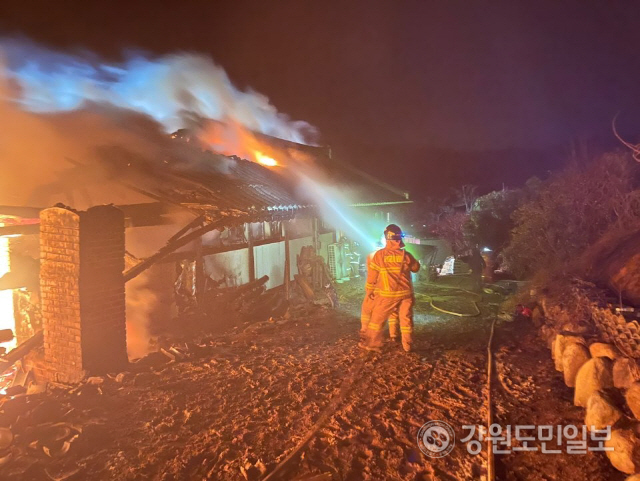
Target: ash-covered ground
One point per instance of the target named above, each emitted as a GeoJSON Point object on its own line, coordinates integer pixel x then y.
{"type": "Point", "coordinates": [238, 404]}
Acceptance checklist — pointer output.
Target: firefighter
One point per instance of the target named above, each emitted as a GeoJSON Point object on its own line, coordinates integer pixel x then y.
{"type": "Point", "coordinates": [367, 308]}
{"type": "Point", "coordinates": [365, 317]}
{"type": "Point", "coordinates": [389, 286]}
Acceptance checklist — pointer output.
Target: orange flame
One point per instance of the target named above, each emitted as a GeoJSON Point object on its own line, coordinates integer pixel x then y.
{"type": "Point", "coordinates": [231, 138]}
{"type": "Point", "coordinates": [265, 159]}
{"type": "Point", "coordinates": [6, 297]}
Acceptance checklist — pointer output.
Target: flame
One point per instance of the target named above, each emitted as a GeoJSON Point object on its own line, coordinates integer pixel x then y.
{"type": "Point", "coordinates": [7, 320]}
{"type": "Point", "coordinates": [231, 138]}
{"type": "Point", "coordinates": [265, 159]}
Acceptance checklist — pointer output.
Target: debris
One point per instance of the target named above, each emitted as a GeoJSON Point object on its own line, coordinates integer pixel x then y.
{"type": "Point", "coordinates": [6, 438]}
{"type": "Point", "coordinates": [22, 350]}
{"type": "Point", "coordinates": [6, 335]}
{"type": "Point", "coordinates": [152, 360]}
{"type": "Point", "coordinates": [306, 289]}
{"type": "Point", "coordinates": [48, 410]}
{"type": "Point", "coordinates": [170, 355]}
{"type": "Point", "coordinates": [16, 390]}
{"type": "Point", "coordinates": [252, 470]}
{"type": "Point", "coordinates": [94, 436]}
{"type": "Point", "coordinates": [123, 376]}
{"type": "Point", "coordinates": [57, 450]}
{"type": "Point", "coordinates": [36, 389]}
{"type": "Point", "coordinates": [144, 378]}
{"type": "Point", "coordinates": [95, 381]}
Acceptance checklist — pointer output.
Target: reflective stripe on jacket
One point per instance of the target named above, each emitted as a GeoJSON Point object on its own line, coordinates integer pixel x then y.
{"type": "Point", "coordinates": [389, 272]}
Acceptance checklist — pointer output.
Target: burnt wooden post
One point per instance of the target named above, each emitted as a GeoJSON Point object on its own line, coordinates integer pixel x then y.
{"type": "Point", "coordinates": [287, 260]}
{"type": "Point", "coordinates": [200, 277]}
{"type": "Point", "coordinates": [252, 262]}
{"type": "Point", "coordinates": [316, 235]}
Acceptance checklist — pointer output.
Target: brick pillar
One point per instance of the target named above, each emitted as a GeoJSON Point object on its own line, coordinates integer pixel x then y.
{"type": "Point", "coordinates": [83, 303]}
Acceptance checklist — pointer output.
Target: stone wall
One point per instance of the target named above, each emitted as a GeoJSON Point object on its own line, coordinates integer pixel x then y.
{"type": "Point", "coordinates": [83, 301]}
{"type": "Point", "coordinates": [605, 381]}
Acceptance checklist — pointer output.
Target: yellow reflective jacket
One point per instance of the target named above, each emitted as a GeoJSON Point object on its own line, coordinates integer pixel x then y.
{"type": "Point", "coordinates": [389, 272]}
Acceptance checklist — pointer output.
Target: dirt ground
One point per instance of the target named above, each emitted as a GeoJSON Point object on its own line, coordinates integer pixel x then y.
{"type": "Point", "coordinates": [240, 404]}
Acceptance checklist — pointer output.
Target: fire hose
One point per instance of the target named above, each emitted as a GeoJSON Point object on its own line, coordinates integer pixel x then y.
{"type": "Point", "coordinates": [329, 411]}
{"type": "Point", "coordinates": [459, 314]}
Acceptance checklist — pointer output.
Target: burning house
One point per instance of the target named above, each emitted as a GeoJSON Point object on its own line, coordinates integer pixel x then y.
{"type": "Point", "coordinates": [200, 224]}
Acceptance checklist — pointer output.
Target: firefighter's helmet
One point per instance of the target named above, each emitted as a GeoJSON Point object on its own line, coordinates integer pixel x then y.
{"type": "Point", "coordinates": [393, 232]}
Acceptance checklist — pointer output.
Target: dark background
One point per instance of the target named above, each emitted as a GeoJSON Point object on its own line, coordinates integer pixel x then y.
{"type": "Point", "coordinates": [426, 95]}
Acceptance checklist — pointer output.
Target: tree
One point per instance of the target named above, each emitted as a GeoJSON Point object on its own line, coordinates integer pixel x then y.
{"type": "Point", "coordinates": [490, 221]}
{"type": "Point", "coordinates": [466, 195]}
{"type": "Point", "coordinates": [451, 228]}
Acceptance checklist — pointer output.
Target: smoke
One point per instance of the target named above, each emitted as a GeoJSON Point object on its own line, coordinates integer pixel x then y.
{"type": "Point", "coordinates": [176, 90]}
{"type": "Point", "coordinates": [141, 304]}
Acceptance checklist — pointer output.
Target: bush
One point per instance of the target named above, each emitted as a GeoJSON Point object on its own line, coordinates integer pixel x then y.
{"type": "Point", "coordinates": [571, 211]}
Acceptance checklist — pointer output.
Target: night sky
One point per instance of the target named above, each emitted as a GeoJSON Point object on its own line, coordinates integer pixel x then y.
{"type": "Point", "coordinates": [427, 95]}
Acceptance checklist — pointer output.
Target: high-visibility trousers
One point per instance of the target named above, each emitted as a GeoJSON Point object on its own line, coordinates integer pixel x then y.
{"type": "Point", "coordinates": [382, 309]}
{"type": "Point", "coordinates": [365, 317]}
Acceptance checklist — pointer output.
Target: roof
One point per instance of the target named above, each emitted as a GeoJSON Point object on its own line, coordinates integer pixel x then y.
{"type": "Point", "coordinates": [214, 184]}
{"type": "Point", "coordinates": [219, 185]}
{"type": "Point", "coordinates": [364, 189]}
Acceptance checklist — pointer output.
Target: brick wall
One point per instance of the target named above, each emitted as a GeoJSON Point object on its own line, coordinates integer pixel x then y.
{"type": "Point", "coordinates": [83, 302]}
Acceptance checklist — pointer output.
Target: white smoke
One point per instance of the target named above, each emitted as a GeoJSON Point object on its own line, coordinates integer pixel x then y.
{"type": "Point", "coordinates": [176, 90]}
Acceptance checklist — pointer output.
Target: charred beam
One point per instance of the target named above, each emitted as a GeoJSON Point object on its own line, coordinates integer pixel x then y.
{"type": "Point", "coordinates": [28, 229]}
{"type": "Point", "coordinates": [22, 350]}
{"type": "Point", "coordinates": [172, 247]}
{"type": "Point", "coordinates": [19, 211]}
{"type": "Point", "coordinates": [198, 221]}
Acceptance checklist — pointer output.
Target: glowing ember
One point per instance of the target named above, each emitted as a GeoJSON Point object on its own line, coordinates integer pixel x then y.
{"type": "Point", "coordinates": [265, 159]}
{"type": "Point", "coordinates": [6, 296]}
